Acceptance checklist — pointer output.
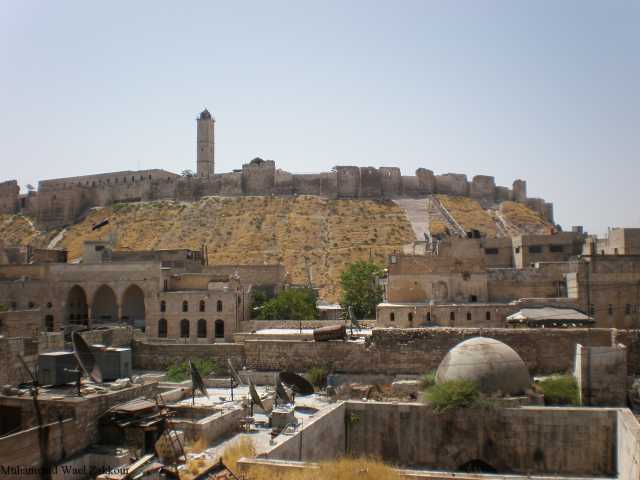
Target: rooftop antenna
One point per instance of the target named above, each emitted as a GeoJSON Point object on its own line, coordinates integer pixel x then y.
{"type": "Point", "coordinates": [234, 378]}
{"type": "Point", "coordinates": [43, 434]}
{"type": "Point", "coordinates": [196, 383]}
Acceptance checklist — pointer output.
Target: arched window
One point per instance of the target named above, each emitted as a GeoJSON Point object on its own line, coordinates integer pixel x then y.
{"type": "Point", "coordinates": [488, 316]}
{"type": "Point", "coordinates": [410, 317]}
{"type": "Point", "coordinates": [185, 306]}
{"type": "Point", "coordinates": [219, 327]}
{"type": "Point", "coordinates": [219, 306]}
{"type": "Point", "coordinates": [202, 306]}
{"type": "Point", "coordinates": [48, 323]}
{"type": "Point", "coordinates": [392, 317]}
{"type": "Point", "coordinates": [452, 316]}
{"type": "Point", "coordinates": [163, 306]}
{"type": "Point", "coordinates": [202, 328]}
{"type": "Point", "coordinates": [184, 328]}
{"type": "Point", "coordinates": [468, 315]}
{"type": "Point", "coordinates": [162, 328]}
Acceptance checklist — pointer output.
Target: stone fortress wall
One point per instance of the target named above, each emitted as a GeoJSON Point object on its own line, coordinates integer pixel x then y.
{"type": "Point", "coordinates": [62, 201]}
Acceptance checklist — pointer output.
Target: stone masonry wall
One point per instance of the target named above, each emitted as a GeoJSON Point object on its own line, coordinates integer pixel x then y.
{"type": "Point", "coordinates": [62, 201]}
{"type": "Point", "coordinates": [392, 351]}
{"type": "Point", "coordinates": [159, 356]}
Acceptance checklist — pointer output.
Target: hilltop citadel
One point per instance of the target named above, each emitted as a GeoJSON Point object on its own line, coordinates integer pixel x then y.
{"type": "Point", "coordinates": [61, 201]}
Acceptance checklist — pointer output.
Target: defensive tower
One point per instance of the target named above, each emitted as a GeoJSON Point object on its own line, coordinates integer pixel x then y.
{"type": "Point", "coordinates": [206, 144]}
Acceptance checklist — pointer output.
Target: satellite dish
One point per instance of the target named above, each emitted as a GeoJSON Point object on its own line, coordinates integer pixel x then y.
{"type": "Point", "coordinates": [282, 393]}
{"type": "Point", "coordinates": [298, 384]}
{"type": "Point", "coordinates": [234, 373]}
{"type": "Point", "coordinates": [196, 380]}
{"type": "Point", "coordinates": [255, 397]}
{"type": "Point", "coordinates": [86, 359]}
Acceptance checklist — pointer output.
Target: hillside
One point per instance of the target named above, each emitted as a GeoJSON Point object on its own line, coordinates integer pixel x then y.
{"type": "Point", "coordinates": [271, 229]}
{"type": "Point", "coordinates": [257, 230]}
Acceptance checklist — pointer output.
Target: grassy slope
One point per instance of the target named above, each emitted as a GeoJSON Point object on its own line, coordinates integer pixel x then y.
{"type": "Point", "coordinates": [258, 230]}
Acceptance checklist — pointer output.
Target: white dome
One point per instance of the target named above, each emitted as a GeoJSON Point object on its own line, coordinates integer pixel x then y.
{"type": "Point", "coordinates": [493, 365]}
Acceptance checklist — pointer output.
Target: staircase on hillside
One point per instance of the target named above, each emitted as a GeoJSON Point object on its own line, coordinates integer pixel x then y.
{"type": "Point", "coordinates": [437, 211]}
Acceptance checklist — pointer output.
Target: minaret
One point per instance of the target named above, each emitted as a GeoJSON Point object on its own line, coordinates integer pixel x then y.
{"type": "Point", "coordinates": [206, 144]}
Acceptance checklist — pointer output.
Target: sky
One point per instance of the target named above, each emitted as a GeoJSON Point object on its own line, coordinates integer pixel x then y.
{"type": "Point", "coordinates": [546, 91]}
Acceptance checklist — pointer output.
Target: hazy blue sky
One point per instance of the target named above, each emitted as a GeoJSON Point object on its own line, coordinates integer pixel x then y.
{"type": "Point", "coordinates": [548, 91]}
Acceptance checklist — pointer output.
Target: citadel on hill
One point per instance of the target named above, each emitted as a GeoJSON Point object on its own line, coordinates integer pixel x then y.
{"type": "Point", "coordinates": [113, 305]}
{"type": "Point", "coordinates": [62, 201]}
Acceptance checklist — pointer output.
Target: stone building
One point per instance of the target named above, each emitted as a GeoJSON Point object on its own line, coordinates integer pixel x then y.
{"type": "Point", "coordinates": [165, 292]}
{"type": "Point", "coordinates": [457, 284]}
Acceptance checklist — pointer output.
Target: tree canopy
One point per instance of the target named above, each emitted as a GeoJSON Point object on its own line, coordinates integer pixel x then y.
{"type": "Point", "coordinates": [360, 288]}
{"type": "Point", "coordinates": [290, 304]}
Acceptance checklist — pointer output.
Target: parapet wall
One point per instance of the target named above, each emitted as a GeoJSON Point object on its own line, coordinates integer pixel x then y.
{"type": "Point", "coordinates": [60, 202]}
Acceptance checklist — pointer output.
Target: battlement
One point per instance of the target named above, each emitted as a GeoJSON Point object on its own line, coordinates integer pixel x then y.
{"type": "Point", "coordinates": [61, 201]}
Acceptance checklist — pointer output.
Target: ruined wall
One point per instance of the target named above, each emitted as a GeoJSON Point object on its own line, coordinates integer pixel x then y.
{"type": "Point", "coordinates": [510, 440]}
{"type": "Point", "coordinates": [9, 193]}
{"type": "Point", "coordinates": [320, 438]}
{"type": "Point", "coordinates": [258, 177]}
{"type": "Point", "coordinates": [59, 202]}
{"type": "Point", "coordinates": [415, 351]}
{"type": "Point", "coordinates": [483, 189]}
{"type": "Point", "coordinates": [452, 184]}
{"type": "Point", "coordinates": [348, 182]}
{"type": "Point", "coordinates": [601, 373]}
{"type": "Point", "coordinates": [159, 356]}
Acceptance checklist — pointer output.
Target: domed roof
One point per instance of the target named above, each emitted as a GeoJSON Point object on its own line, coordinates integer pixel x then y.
{"type": "Point", "coordinates": [493, 365]}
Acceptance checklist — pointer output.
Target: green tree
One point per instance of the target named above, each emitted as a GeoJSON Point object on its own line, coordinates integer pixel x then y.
{"type": "Point", "coordinates": [291, 304]}
{"type": "Point", "coordinates": [360, 288]}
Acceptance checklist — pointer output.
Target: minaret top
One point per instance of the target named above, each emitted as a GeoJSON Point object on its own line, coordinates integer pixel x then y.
{"type": "Point", "coordinates": [205, 115]}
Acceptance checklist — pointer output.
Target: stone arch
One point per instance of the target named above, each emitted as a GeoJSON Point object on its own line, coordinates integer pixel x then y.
{"type": "Point", "coordinates": [77, 306]}
{"type": "Point", "coordinates": [219, 328]}
{"type": "Point", "coordinates": [133, 311]}
{"type": "Point", "coordinates": [104, 307]}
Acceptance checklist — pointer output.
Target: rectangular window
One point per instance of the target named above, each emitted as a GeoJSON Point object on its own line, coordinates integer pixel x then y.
{"type": "Point", "coordinates": [491, 251]}
{"type": "Point", "coordinates": [517, 249]}
{"type": "Point", "coordinates": [627, 309]}
{"type": "Point", "coordinates": [610, 309]}
{"type": "Point", "coordinates": [535, 249]}
{"type": "Point", "coordinates": [556, 248]}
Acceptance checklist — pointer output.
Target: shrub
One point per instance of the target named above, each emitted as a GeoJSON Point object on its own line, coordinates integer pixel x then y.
{"type": "Point", "coordinates": [291, 304]}
{"type": "Point", "coordinates": [180, 371]}
{"type": "Point", "coordinates": [559, 390]}
{"type": "Point", "coordinates": [428, 380]}
{"type": "Point", "coordinates": [452, 394]}
{"type": "Point", "coordinates": [317, 376]}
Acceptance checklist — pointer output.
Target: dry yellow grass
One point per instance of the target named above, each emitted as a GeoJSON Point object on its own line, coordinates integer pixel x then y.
{"type": "Point", "coordinates": [243, 447]}
{"type": "Point", "coordinates": [469, 214]}
{"type": "Point", "coordinates": [258, 230]}
{"type": "Point", "coordinates": [523, 217]}
{"type": "Point", "coordinates": [341, 469]}
{"type": "Point", "coordinates": [16, 230]}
